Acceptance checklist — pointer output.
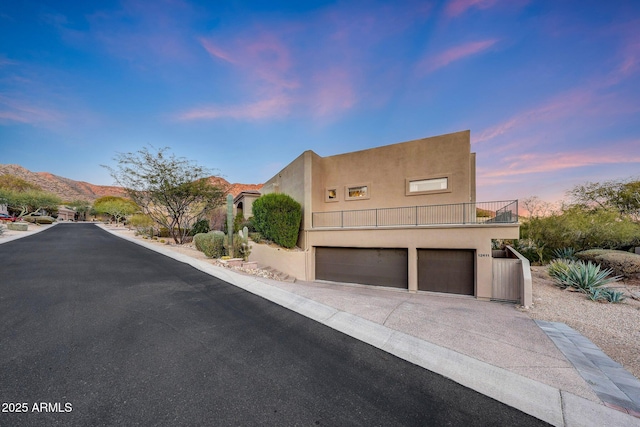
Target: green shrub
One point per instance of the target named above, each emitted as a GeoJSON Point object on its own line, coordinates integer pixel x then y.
{"type": "Point", "coordinates": [201, 226]}
{"type": "Point", "coordinates": [255, 236]}
{"type": "Point", "coordinates": [277, 217]}
{"type": "Point", "coordinates": [143, 224]}
{"type": "Point", "coordinates": [238, 221]}
{"type": "Point", "coordinates": [211, 244]}
{"type": "Point", "coordinates": [625, 264]}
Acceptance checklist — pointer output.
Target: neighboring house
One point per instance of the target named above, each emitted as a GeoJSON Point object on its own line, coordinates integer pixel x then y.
{"type": "Point", "coordinates": [66, 214]}
{"type": "Point", "coordinates": [243, 203]}
{"type": "Point", "coordinates": [403, 215]}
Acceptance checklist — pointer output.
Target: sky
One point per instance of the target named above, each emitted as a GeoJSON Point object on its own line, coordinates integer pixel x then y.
{"type": "Point", "coordinates": [550, 90]}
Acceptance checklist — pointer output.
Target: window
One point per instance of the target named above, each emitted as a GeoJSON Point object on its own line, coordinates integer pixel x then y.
{"type": "Point", "coordinates": [427, 185]}
{"type": "Point", "coordinates": [357, 192]}
{"type": "Point", "coordinates": [331, 194]}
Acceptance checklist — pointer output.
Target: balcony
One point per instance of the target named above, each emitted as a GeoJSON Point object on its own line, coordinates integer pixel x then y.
{"type": "Point", "coordinates": [487, 213]}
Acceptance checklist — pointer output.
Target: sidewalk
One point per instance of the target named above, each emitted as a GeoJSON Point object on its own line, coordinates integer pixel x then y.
{"type": "Point", "coordinates": [490, 347]}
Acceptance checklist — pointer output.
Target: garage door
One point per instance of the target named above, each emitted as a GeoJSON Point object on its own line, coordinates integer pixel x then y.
{"type": "Point", "coordinates": [447, 270]}
{"type": "Point", "coordinates": [367, 266]}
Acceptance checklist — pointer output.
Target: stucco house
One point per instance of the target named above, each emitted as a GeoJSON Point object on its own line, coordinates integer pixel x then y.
{"type": "Point", "coordinates": [403, 215]}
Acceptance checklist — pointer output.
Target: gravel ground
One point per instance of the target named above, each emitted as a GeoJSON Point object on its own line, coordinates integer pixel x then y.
{"type": "Point", "coordinates": [615, 328]}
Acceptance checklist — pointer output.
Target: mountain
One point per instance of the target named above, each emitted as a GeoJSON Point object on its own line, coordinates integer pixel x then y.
{"type": "Point", "coordinates": [69, 190]}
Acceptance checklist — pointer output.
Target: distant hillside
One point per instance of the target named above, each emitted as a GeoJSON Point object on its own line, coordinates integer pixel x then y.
{"type": "Point", "coordinates": [69, 190]}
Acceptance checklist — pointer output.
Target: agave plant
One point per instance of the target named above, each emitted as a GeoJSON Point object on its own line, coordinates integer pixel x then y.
{"type": "Point", "coordinates": [559, 270]}
{"type": "Point", "coordinates": [586, 277]}
{"type": "Point", "coordinates": [565, 253]}
{"type": "Point", "coordinates": [615, 296]}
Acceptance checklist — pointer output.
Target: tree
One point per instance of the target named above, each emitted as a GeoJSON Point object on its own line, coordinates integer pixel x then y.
{"type": "Point", "coordinates": [117, 207]}
{"type": "Point", "coordinates": [28, 202]}
{"type": "Point", "coordinates": [622, 195]}
{"type": "Point", "coordinates": [174, 192]}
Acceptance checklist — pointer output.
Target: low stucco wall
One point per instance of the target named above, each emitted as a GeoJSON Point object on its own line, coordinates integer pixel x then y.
{"type": "Point", "coordinates": [291, 262]}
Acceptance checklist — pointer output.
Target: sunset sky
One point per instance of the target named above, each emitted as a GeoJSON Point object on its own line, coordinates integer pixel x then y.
{"type": "Point", "coordinates": [549, 89]}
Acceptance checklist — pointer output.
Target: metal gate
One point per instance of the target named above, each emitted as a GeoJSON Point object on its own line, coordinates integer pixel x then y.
{"type": "Point", "coordinates": [507, 279]}
{"type": "Point", "coordinates": [367, 266]}
{"type": "Point", "coordinates": [447, 270]}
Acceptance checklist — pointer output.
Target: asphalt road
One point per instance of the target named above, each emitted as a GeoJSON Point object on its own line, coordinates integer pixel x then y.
{"type": "Point", "coordinates": [95, 330]}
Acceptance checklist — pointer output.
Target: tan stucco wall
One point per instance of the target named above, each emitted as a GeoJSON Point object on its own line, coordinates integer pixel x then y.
{"type": "Point", "coordinates": [386, 169]}
{"type": "Point", "coordinates": [286, 261]}
{"type": "Point", "coordinates": [477, 238]}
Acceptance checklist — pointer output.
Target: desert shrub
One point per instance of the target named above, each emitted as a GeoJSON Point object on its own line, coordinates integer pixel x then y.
{"type": "Point", "coordinates": [211, 244]}
{"type": "Point", "coordinates": [255, 236]}
{"type": "Point", "coordinates": [236, 250]}
{"type": "Point", "coordinates": [201, 226]}
{"type": "Point", "coordinates": [238, 221]}
{"type": "Point", "coordinates": [277, 217]}
{"type": "Point", "coordinates": [622, 263]}
{"type": "Point", "coordinates": [143, 224]}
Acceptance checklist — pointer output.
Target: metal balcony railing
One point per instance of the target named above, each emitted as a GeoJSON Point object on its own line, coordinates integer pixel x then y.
{"type": "Point", "coordinates": [504, 212]}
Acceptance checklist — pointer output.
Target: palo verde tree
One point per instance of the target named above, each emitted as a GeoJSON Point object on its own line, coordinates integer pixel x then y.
{"type": "Point", "coordinates": [116, 207]}
{"type": "Point", "coordinates": [173, 191]}
{"type": "Point", "coordinates": [23, 198]}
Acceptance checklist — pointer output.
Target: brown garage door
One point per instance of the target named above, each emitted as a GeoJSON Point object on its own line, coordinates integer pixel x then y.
{"type": "Point", "coordinates": [447, 270]}
{"type": "Point", "coordinates": [367, 266]}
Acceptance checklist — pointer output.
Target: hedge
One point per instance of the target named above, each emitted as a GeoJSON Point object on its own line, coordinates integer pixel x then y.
{"type": "Point", "coordinates": [277, 218]}
{"type": "Point", "coordinates": [622, 263]}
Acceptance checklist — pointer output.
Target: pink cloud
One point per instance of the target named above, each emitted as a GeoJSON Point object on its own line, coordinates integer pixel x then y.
{"type": "Point", "coordinates": [20, 111]}
{"type": "Point", "coordinates": [267, 108]}
{"type": "Point", "coordinates": [262, 58]}
{"type": "Point", "coordinates": [536, 163]}
{"type": "Point", "coordinates": [333, 92]}
{"type": "Point", "coordinates": [571, 103]}
{"type": "Point", "coordinates": [215, 51]}
{"type": "Point", "coordinates": [458, 7]}
{"type": "Point", "coordinates": [455, 54]}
